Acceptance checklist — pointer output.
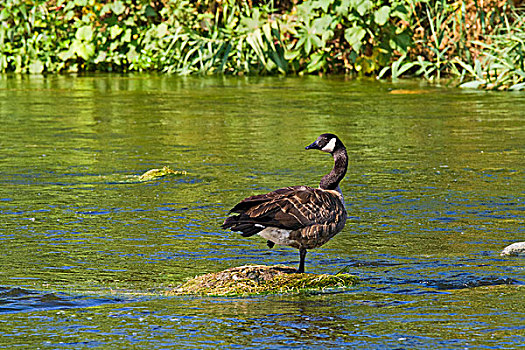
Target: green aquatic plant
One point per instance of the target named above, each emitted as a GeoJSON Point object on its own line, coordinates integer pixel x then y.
{"type": "Point", "coordinates": [158, 173]}
{"type": "Point", "coordinates": [260, 279]}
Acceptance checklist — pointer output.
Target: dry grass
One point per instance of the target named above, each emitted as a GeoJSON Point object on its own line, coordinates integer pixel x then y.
{"type": "Point", "coordinates": [260, 279]}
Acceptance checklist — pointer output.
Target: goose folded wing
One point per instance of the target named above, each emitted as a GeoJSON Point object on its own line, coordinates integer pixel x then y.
{"type": "Point", "coordinates": [290, 208]}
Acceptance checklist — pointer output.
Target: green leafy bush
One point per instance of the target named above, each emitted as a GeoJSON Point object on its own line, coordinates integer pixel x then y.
{"type": "Point", "coordinates": [175, 36]}
{"type": "Point", "coordinates": [181, 36]}
{"type": "Point", "coordinates": [347, 35]}
{"type": "Point", "coordinates": [429, 38]}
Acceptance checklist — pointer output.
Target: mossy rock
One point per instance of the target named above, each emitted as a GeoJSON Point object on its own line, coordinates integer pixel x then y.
{"type": "Point", "coordinates": [260, 279]}
{"type": "Point", "coordinates": [158, 173]}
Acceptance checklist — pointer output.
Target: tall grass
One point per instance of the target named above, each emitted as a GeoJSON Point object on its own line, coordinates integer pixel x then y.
{"type": "Point", "coordinates": [501, 63]}
{"type": "Point", "coordinates": [469, 44]}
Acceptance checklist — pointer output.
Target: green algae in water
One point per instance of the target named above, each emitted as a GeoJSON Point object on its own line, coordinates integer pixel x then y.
{"type": "Point", "coordinates": [158, 173]}
{"type": "Point", "coordinates": [260, 279]}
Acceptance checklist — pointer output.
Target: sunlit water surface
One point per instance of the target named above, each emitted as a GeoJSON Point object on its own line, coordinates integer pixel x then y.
{"type": "Point", "coordinates": [435, 190]}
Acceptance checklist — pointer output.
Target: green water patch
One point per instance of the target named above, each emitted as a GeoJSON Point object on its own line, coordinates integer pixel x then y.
{"type": "Point", "coordinates": [433, 194]}
{"type": "Point", "coordinates": [260, 279]}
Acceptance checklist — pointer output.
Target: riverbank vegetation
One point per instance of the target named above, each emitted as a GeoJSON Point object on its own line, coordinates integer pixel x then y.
{"type": "Point", "coordinates": [477, 44]}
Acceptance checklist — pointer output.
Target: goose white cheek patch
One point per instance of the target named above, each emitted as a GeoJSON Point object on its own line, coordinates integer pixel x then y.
{"type": "Point", "coordinates": [329, 146]}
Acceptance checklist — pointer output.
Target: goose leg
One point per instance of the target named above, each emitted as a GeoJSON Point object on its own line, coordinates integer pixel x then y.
{"type": "Point", "coordinates": [302, 254]}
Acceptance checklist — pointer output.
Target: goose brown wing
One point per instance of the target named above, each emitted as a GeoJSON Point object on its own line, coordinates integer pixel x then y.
{"type": "Point", "coordinates": [290, 208]}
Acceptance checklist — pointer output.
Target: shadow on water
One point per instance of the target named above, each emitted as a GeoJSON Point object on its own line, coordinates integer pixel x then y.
{"type": "Point", "coordinates": [16, 299]}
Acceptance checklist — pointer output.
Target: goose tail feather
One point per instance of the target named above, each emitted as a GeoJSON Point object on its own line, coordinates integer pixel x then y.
{"type": "Point", "coordinates": [236, 223]}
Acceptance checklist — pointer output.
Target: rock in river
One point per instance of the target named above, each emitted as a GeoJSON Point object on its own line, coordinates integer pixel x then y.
{"type": "Point", "coordinates": [515, 249]}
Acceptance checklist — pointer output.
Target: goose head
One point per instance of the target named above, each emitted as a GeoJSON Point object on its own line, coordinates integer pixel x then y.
{"type": "Point", "coordinates": [328, 143]}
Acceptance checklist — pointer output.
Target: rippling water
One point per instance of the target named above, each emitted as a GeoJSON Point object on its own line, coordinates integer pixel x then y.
{"type": "Point", "coordinates": [435, 190]}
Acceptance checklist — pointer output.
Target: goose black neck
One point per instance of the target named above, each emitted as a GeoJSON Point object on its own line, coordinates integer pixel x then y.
{"type": "Point", "coordinates": [331, 180]}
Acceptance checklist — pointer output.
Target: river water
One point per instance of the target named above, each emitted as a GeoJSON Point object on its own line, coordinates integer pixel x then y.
{"type": "Point", "coordinates": [435, 190]}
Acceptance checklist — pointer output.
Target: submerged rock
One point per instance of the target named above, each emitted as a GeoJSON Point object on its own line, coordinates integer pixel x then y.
{"type": "Point", "coordinates": [515, 249]}
{"type": "Point", "coordinates": [260, 279]}
{"type": "Point", "coordinates": [470, 281]}
{"type": "Point", "coordinates": [156, 173]}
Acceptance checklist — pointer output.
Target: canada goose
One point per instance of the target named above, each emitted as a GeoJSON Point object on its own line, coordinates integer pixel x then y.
{"type": "Point", "coordinates": [300, 216]}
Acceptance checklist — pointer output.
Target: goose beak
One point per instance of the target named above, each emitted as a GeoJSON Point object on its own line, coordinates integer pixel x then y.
{"type": "Point", "coordinates": [312, 146]}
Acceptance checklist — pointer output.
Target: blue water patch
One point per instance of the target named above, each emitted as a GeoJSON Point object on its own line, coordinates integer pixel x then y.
{"type": "Point", "coordinates": [17, 299]}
